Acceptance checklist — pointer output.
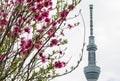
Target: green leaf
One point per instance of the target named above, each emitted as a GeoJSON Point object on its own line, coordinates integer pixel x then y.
{"type": "Point", "coordinates": [2, 49]}
{"type": "Point", "coordinates": [62, 0]}
{"type": "Point", "coordinates": [34, 74]}
{"type": "Point", "coordinates": [65, 5]}
{"type": "Point", "coordinates": [34, 26]}
{"type": "Point", "coordinates": [39, 79]}
{"type": "Point", "coordinates": [64, 41]}
{"type": "Point", "coordinates": [50, 65]}
{"type": "Point", "coordinates": [18, 59]}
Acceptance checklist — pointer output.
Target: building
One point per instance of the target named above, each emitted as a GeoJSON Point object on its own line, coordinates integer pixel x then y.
{"type": "Point", "coordinates": [91, 71]}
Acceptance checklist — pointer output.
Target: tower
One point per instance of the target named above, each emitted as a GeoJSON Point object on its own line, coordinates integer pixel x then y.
{"type": "Point", "coordinates": [91, 71]}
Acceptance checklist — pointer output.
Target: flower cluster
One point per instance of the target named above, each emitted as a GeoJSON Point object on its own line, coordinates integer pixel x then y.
{"type": "Point", "coordinates": [43, 57]}
{"type": "Point", "coordinates": [16, 30]}
{"type": "Point", "coordinates": [53, 42]}
{"type": "Point", "coordinates": [27, 29]}
{"type": "Point", "coordinates": [59, 64]}
{"type": "Point", "coordinates": [70, 26]}
{"type": "Point", "coordinates": [38, 44]}
{"type": "Point", "coordinates": [3, 18]}
{"type": "Point", "coordinates": [64, 13]}
{"type": "Point", "coordinates": [25, 45]}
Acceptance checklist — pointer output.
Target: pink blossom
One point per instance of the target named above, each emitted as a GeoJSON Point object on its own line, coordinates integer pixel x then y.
{"type": "Point", "coordinates": [62, 33]}
{"type": "Point", "coordinates": [27, 29]}
{"type": "Point", "coordinates": [70, 26]}
{"type": "Point", "coordinates": [50, 31]}
{"type": "Point", "coordinates": [2, 56]}
{"type": "Point", "coordinates": [35, 17]}
{"type": "Point", "coordinates": [29, 21]}
{"type": "Point", "coordinates": [43, 27]}
{"type": "Point", "coordinates": [39, 1]}
{"type": "Point", "coordinates": [28, 1]}
{"type": "Point", "coordinates": [1, 28]}
{"type": "Point", "coordinates": [23, 43]}
{"type": "Point", "coordinates": [59, 64]}
{"type": "Point", "coordinates": [40, 54]}
{"type": "Point", "coordinates": [43, 59]}
{"type": "Point", "coordinates": [63, 14]}
{"type": "Point", "coordinates": [20, 21]}
{"type": "Point", "coordinates": [32, 8]}
{"type": "Point", "coordinates": [48, 58]}
{"type": "Point", "coordinates": [23, 19]}
{"type": "Point", "coordinates": [47, 3]}
{"type": "Point", "coordinates": [12, 2]}
{"type": "Point", "coordinates": [54, 42]}
{"type": "Point", "coordinates": [23, 52]}
{"type": "Point", "coordinates": [16, 29]}
{"type": "Point", "coordinates": [39, 30]}
{"type": "Point", "coordinates": [59, 21]}
{"type": "Point", "coordinates": [4, 21]}
{"type": "Point", "coordinates": [1, 10]}
{"type": "Point", "coordinates": [70, 7]}
{"type": "Point", "coordinates": [54, 23]}
{"type": "Point", "coordinates": [29, 44]}
{"type": "Point", "coordinates": [60, 52]}
{"type": "Point", "coordinates": [20, 1]}
{"type": "Point", "coordinates": [39, 6]}
{"type": "Point", "coordinates": [5, 14]}
{"type": "Point", "coordinates": [50, 8]}
{"type": "Point", "coordinates": [37, 44]}
{"type": "Point", "coordinates": [47, 20]}
{"type": "Point", "coordinates": [45, 14]}
{"type": "Point", "coordinates": [39, 17]}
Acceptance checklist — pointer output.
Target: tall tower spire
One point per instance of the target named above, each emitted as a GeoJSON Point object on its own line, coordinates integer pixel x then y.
{"type": "Point", "coordinates": [91, 19]}
{"type": "Point", "coordinates": [91, 71]}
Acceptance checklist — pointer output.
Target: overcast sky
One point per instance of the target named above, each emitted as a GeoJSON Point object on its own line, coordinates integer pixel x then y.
{"type": "Point", "coordinates": [107, 38]}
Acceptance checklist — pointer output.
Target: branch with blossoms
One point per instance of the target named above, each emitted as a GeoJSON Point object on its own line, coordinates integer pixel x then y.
{"type": "Point", "coordinates": [31, 36]}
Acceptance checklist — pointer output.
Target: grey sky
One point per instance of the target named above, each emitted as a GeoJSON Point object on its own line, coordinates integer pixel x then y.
{"type": "Point", "coordinates": [107, 37]}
